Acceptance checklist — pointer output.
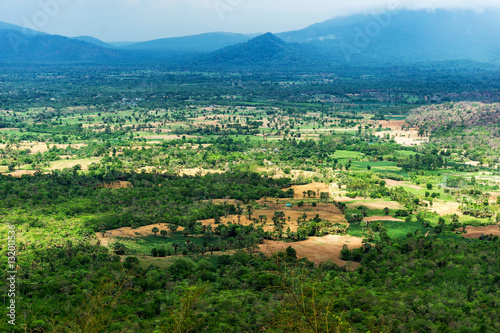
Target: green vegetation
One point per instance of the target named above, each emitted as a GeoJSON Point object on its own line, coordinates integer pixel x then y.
{"type": "Point", "coordinates": [150, 210]}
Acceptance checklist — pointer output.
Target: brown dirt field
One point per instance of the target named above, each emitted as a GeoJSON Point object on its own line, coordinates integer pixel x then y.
{"type": "Point", "coordinates": [117, 185]}
{"type": "Point", "coordinates": [318, 249]}
{"type": "Point", "coordinates": [41, 147]}
{"type": "Point", "coordinates": [445, 208]}
{"type": "Point", "coordinates": [376, 204]}
{"type": "Point", "coordinates": [325, 211]}
{"type": "Point", "coordinates": [494, 196]}
{"type": "Point", "coordinates": [392, 124]}
{"type": "Point", "coordinates": [347, 199]}
{"type": "Point", "coordinates": [382, 218]}
{"type": "Point", "coordinates": [405, 138]}
{"type": "Point", "coordinates": [310, 187]}
{"type": "Point", "coordinates": [128, 232]}
{"type": "Point", "coordinates": [19, 173]}
{"type": "Point", "coordinates": [193, 172]}
{"type": "Point", "coordinates": [476, 232]}
{"type": "Point", "coordinates": [393, 183]}
{"type": "Point", "coordinates": [221, 201]}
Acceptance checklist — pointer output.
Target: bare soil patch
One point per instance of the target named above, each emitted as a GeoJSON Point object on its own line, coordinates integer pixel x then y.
{"type": "Point", "coordinates": [392, 124]}
{"type": "Point", "coordinates": [129, 232]}
{"type": "Point", "coordinates": [394, 183]}
{"type": "Point", "coordinates": [445, 208]}
{"type": "Point", "coordinates": [41, 147]}
{"type": "Point", "coordinates": [326, 212]}
{"type": "Point", "coordinates": [316, 187]}
{"type": "Point", "coordinates": [318, 249]}
{"type": "Point", "coordinates": [494, 196]}
{"type": "Point", "coordinates": [476, 232]}
{"type": "Point", "coordinates": [198, 171]}
{"type": "Point", "coordinates": [19, 173]}
{"type": "Point", "coordinates": [376, 204]}
{"type": "Point", "coordinates": [405, 138]}
{"type": "Point", "coordinates": [222, 201]}
{"type": "Point", "coordinates": [116, 185]}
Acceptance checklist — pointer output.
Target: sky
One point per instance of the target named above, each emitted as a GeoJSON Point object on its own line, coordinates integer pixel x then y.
{"type": "Point", "coordinates": [141, 20]}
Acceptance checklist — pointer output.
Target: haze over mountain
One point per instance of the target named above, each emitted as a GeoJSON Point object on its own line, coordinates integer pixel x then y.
{"type": "Point", "coordinates": [405, 36]}
{"type": "Point", "coordinates": [389, 38]}
{"type": "Point", "coordinates": [16, 46]}
{"type": "Point", "coordinates": [203, 43]}
{"type": "Point", "coordinates": [266, 50]}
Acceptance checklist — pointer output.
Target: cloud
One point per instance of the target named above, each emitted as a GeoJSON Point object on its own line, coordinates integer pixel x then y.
{"type": "Point", "coordinates": [114, 20]}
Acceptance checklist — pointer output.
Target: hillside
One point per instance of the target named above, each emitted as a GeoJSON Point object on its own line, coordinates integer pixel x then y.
{"type": "Point", "coordinates": [92, 40]}
{"type": "Point", "coordinates": [473, 127]}
{"type": "Point", "coordinates": [19, 47]}
{"type": "Point", "coordinates": [405, 36]}
{"type": "Point", "coordinates": [202, 43]}
{"type": "Point", "coordinates": [265, 51]}
{"type": "Point", "coordinates": [452, 115]}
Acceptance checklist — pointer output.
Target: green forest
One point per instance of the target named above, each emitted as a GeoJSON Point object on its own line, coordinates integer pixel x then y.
{"type": "Point", "coordinates": [136, 200]}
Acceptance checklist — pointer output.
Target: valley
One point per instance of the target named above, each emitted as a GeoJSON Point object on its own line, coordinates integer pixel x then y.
{"type": "Point", "coordinates": [253, 182]}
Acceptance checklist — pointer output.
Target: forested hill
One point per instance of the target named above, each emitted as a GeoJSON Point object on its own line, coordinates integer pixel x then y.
{"type": "Point", "coordinates": [266, 51]}
{"type": "Point", "coordinates": [452, 115]}
{"type": "Point", "coordinates": [16, 46]}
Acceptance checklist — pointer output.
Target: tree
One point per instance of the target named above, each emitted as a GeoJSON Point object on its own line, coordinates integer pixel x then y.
{"type": "Point", "coordinates": [173, 227]}
{"type": "Point", "coordinates": [175, 245]}
{"type": "Point", "coordinates": [119, 248]}
{"type": "Point", "coordinates": [387, 211]}
{"type": "Point", "coordinates": [155, 230]}
{"type": "Point", "coordinates": [163, 233]}
{"type": "Point", "coordinates": [429, 186]}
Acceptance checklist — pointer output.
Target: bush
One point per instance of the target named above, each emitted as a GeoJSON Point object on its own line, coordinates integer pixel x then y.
{"type": "Point", "coordinates": [402, 212]}
{"type": "Point", "coordinates": [119, 248]}
{"type": "Point", "coordinates": [131, 262]}
{"type": "Point", "coordinates": [162, 252]}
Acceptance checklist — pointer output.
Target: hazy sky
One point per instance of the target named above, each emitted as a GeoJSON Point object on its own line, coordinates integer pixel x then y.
{"type": "Point", "coordinates": [137, 20]}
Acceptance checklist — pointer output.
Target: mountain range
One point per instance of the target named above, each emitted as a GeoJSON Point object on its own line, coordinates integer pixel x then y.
{"type": "Point", "coordinates": [399, 37]}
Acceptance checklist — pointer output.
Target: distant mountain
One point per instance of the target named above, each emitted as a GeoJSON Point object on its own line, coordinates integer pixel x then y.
{"type": "Point", "coordinates": [265, 51]}
{"type": "Point", "coordinates": [404, 37]}
{"type": "Point", "coordinates": [16, 46]}
{"type": "Point", "coordinates": [391, 38]}
{"type": "Point", "coordinates": [8, 26]}
{"type": "Point", "coordinates": [94, 41]}
{"type": "Point", "coordinates": [203, 43]}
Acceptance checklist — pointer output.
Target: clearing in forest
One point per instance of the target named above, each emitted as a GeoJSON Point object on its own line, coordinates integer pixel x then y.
{"type": "Point", "coordinates": [318, 249]}
{"type": "Point", "coordinates": [317, 188]}
{"type": "Point", "coordinates": [129, 232]}
{"type": "Point", "coordinates": [476, 232]}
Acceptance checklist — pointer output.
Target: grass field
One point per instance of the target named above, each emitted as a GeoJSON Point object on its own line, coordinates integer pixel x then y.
{"type": "Point", "coordinates": [397, 230]}
{"type": "Point", "coordinates": [142, 245]}
{"type": "Point", "coordinates": [344, 154]}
